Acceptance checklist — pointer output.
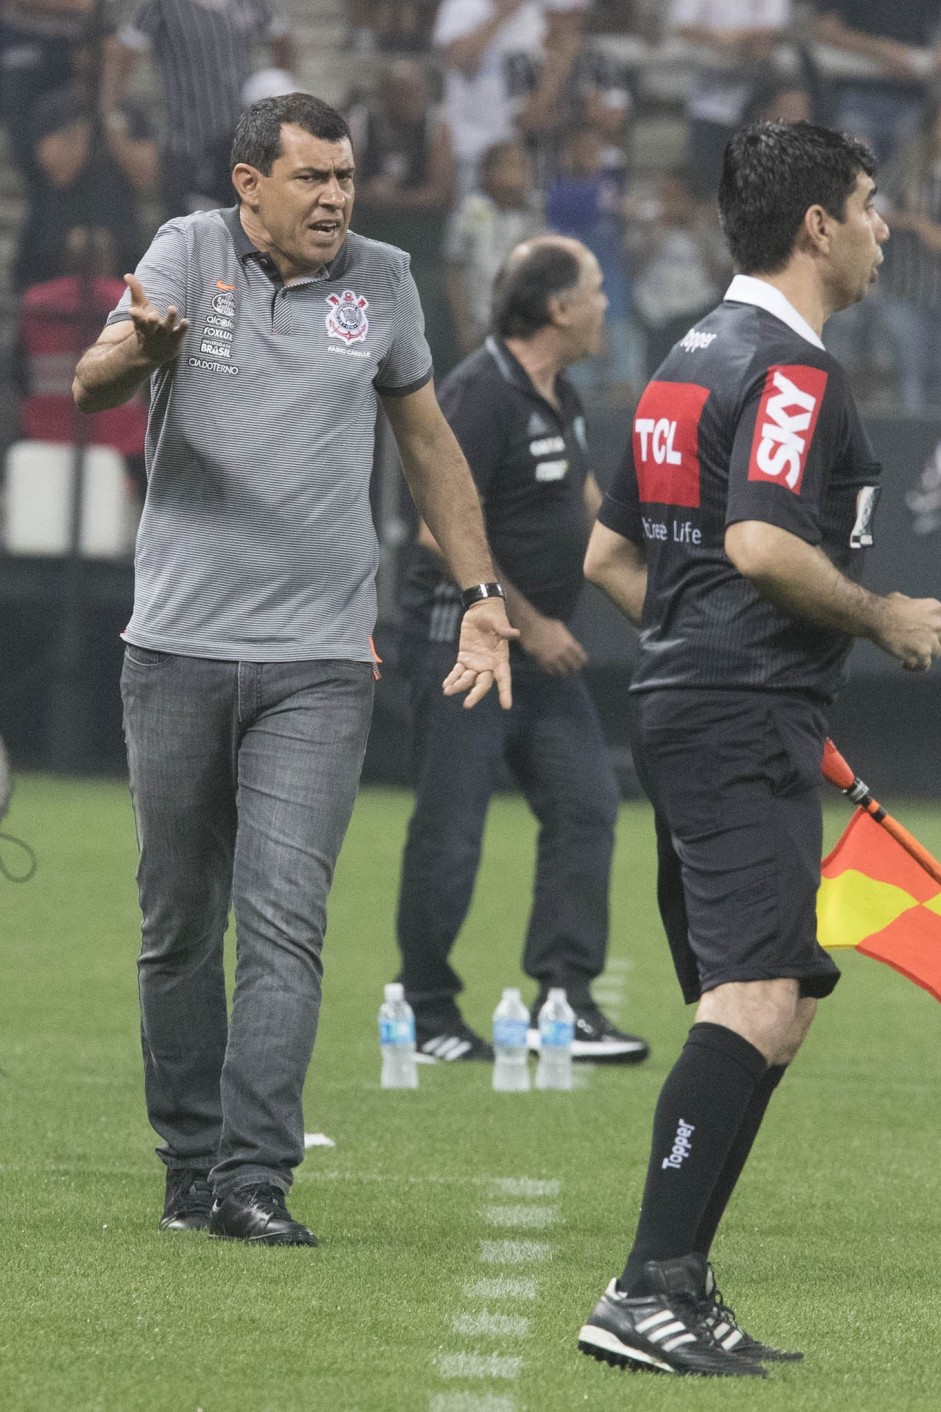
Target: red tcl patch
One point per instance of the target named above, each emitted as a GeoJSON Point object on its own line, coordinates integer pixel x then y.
{"type": "Point", "coordinates": [790, 405]}
{"type": "Point", "coordinates": [666, 443]}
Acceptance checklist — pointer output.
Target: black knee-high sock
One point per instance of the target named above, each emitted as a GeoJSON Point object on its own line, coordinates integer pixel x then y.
{"type": "Point", "coordinates": [701, 1107]}
{"type": "Point", "coordinates": [738, 1156]}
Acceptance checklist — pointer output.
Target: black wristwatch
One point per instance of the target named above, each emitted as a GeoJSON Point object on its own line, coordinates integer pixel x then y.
{"type": "Point", "coordinates": [478, 592]}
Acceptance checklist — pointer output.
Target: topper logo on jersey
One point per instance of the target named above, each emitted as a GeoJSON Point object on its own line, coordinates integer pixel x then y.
{"type": "Point", "coordinates": [787, 416]}
{"type": "Point", "coordinates": [666, 443]}
{"type": "Point", "coordinates": [347, 317]}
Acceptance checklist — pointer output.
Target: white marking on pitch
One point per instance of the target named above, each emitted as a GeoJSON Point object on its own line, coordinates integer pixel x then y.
{"type": "Point", "coordinates": [524, 1218]}
{"type": "Point", "coordinates": [525, 1205]}
{"type": "Point", "coordinates": [500, 1325]}
{"type": "Point", "coordinates": [471, 1402]}
{"type": "Point", "coordinates": [514, 1252]}
{"type": "Point", "coordinates": [524, 1186]}
{"type": "Point", "coordinates": [503, 1287]}
{"type": "Point", "coordinates": [479, 1365]}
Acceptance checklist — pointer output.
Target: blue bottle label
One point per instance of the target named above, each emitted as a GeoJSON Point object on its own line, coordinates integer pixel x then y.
{"type": "Point", "coordinates": [510, 1034]}
{"type": "Point", "coordinates": [556, 1034]}
{"type": "Point", "coordinates": [396, 1032]}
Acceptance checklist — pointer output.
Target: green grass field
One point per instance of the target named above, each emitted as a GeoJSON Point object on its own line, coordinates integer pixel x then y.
{"type": "Point", "coordinates": [465, 1234]}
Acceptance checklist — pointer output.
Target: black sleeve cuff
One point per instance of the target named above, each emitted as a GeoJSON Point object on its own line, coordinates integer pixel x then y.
{"type": "Point", "coordinates": [408, 388]}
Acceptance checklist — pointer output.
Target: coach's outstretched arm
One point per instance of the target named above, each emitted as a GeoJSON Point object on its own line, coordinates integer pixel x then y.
{"type": "Point", "coordinates": [446, 499]}
{"type": "Point", "coordinates": [801, 579]}
{"type": "Point", "coordinates": [127, 353]}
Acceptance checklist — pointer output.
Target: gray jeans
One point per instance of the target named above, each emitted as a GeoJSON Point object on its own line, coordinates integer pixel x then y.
{"type": "Point", "coordinates": [243, 778]}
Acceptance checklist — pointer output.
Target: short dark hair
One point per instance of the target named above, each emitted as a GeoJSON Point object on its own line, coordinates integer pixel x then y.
{"type": "Point", "coordinates": [257, 139]}
{"type": "Point", "coordinates": [771, 174]}
{"type": "Point", "coordinates": [526, 283]}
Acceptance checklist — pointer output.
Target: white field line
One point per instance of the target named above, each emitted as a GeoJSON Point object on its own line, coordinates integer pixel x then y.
{"type": "Point", "coordinates": [498, 1325]}
{"type": "Point", "coordinates": [514, 1252]}
{"type": "Point", "coordinates": [503, 1287]}
{"type": "Point", "coordinates": [530, 1210]}
{"type": "Point", "coordinates": [524, 1186]}
{"type": "Point", "coordinates": [471, 1402]}
{"type": "Point", "coordinates": [479, 1365]}
{"type": "Point", "coordinates": [523, 1218]}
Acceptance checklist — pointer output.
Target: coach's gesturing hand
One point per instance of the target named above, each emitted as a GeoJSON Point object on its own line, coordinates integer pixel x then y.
{"type": "Point", "coordinates": [127, 352]}
{"type": "Point", "coordinates": [159, 339]}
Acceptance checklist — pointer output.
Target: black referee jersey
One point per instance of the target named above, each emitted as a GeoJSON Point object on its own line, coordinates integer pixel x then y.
{"type": "Point", "coordinates": [745, 420]}
{"type": "Point", "coordinates": [530, 462]}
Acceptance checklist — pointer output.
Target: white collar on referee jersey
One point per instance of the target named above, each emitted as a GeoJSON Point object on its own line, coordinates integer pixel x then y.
{"type": "Point", "coordinates": [746, 289]}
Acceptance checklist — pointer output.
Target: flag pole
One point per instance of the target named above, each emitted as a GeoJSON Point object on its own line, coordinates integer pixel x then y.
{"type": "Point", "coordinates": [838, 772]}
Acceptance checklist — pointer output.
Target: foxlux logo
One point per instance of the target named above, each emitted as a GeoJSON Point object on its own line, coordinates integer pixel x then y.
{"type": "Point", "coordinates": [682, 1146]}
{"type": "Point", "coordinates": [784, 430]}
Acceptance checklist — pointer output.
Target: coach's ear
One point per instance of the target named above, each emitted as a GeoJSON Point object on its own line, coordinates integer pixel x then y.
{"type": "Point", "coordinates": [246, 180]}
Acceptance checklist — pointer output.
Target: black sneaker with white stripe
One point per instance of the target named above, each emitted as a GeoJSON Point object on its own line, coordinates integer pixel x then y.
{"type": "Point", "coordinates": [595, 1037]}
{"type": "Point", "coordinates": [729, 1334]}
{"type": "Point", "coordinates": [449, 1042]}
{"type": "Point", "coordinates": [663, 1331]}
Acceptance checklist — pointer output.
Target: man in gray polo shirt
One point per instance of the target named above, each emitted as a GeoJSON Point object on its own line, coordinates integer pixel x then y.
{"type": "Point", "coordinates": [269, 333]}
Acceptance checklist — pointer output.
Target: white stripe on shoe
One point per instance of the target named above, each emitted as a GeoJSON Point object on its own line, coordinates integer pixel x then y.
{"type": "Point", "coordinates": [610, 1343]}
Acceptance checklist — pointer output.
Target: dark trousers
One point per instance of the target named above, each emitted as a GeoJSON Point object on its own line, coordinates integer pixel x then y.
{"type": "Point", "coordinates": [243, 777]}
{"type": "Point", "coordinates": [552, 743]}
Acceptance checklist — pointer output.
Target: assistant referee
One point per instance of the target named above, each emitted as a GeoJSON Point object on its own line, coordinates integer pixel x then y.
{"type": "Point", "coordinates": [734, 538]}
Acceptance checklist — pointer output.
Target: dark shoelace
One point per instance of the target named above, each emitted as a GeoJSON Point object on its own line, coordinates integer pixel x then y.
{"type": "Point", "coordinates": [191, 1189]}
{"type": "Point", "coordinates": [267, 1198]}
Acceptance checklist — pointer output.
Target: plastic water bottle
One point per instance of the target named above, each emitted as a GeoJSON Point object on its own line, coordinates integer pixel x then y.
{"type": "Point", "coordinates": [397, 1040]}
{"type": "Point", "coordinates": [556, 1032]}
{"type": "Point", "coordinates": [510, 1023]}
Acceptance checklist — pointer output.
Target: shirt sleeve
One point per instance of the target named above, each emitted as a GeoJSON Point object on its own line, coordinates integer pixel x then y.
{"type": "Point", "coordinates": [789, 437]}
{"type": "Point", "coordinates": [620, 506]}
{"type": "Point", "coordinates": [407, 365]}
{"type": "Point", "coordinates": [162, 272]}
{"type": "Point", "coordinates": [480, 430]}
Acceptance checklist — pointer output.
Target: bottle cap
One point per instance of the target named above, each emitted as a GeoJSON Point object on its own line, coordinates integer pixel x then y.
{"type": "Point", "coordinates": [395, 991]}
{"type": "Point", "coordinates": [557, 993]}
{"type": "Point", "coordinates": [512, 993]}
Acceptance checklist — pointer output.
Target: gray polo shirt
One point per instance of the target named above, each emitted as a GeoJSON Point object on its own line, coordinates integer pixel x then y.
{"type": "Point", "coordinates": [257, 542]}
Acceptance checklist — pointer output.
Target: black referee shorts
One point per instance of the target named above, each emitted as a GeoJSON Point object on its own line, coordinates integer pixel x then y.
{"type": "Point", "coordinates": [734, 777]}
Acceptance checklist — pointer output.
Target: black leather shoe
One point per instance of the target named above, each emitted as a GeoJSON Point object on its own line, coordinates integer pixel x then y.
{"type": "Point", "coordinates": [258, 1214]}
{"type": "Point", "coordinates": [188, 1200]}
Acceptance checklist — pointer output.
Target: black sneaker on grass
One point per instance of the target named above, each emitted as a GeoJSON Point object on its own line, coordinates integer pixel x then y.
{"type": "Point", "coordinates": [729, 1334]}
{"type": "Point", "coordinates": [595, 1038]}
{"type": "Point", "coordinates": [188, 1200]}
{"type": "Point", "coordinates": [258, 1215]}
{"type": "Point", "coordinates": [449, 1041]}
{"type": "Point", "coordinates": [663, 1331]}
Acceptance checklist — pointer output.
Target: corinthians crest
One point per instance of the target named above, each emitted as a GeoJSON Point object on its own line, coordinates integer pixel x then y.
{"type": "Point", "coordinates": [347, 317]}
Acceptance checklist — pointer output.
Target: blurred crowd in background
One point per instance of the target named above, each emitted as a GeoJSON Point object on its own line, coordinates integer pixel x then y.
{"type": "Point", "coordinates": [475, 124]}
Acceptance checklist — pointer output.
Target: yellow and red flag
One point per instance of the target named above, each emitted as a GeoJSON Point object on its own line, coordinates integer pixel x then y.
{"type": "Point", "coordinates": [874, 896]}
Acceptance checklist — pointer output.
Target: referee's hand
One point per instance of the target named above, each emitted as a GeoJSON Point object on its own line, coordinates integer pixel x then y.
{"type": "Point", "coordinates": [483, 654]}
{"type": "Point", "coordinates": [159, 339]}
